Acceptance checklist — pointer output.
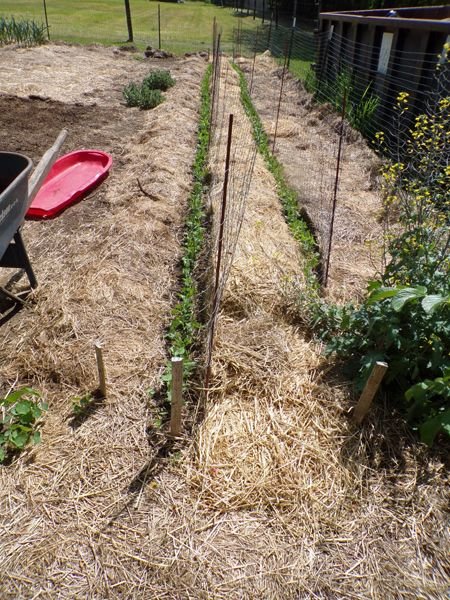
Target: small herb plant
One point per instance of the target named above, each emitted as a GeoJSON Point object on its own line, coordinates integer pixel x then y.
{"type": "Point", "coordinates": [81, 404]}
{"type": "Point", "coordinates": [159, 80]}
{"type": "Point", "coordinates": [19, 421]}
{"type": "Point", "coordinates": [142, 96]}
{"type": "Point", "coordinates": [148, 94]}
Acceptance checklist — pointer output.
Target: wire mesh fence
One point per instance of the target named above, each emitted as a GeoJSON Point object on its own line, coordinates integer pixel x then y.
{"type": "Point", "coordinates": [177, 28]}
{"type": "Point", "coordinates": [299, 78]}
{"type": "Point", "coordinates": [232, 160]}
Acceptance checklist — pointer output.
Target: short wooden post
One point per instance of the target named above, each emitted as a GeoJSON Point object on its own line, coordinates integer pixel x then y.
{"type": "Point", "coordinates": [101, 370]}
{"type": "Point", "coordinates": [369, 391]}
{"type": "Point", "coordinates": [177, 396]}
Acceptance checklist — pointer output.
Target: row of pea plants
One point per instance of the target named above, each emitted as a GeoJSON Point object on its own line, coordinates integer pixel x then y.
{"type": "Point", "coordinates": [288, 197]}
{"type": "Point", "coordinates": [184, 327]}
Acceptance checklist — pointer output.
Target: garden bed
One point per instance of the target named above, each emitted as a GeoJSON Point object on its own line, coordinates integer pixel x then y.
{"type": "Point", "coordinates": [107, 270]}
{"type": "Point", "coordinates": [278, 496]}
{"type": "Point", "coordinates": [307, 145]}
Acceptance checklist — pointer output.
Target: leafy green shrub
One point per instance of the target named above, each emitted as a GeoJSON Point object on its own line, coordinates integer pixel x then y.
{"type": "Point", "coordinates": [132, 94]}
{"type": "Point", "coordinates": [142, 96]}
{"type": "Point", "coordinates": [19, 421]}
{"type": "Point", "coordinates": [23, 31]}
{"type": "Point", "coordinates": [410, 330]}
{"type": "Point", "coordinates": [405, 319]}
{"type": "Point", "coordinates": [150, 98]}
{"type": "Point", "coordinates": [159, 80]}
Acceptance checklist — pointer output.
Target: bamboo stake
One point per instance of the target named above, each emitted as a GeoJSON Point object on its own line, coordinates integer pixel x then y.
{"type": "Point", "coordinates": [101, 370]}
{"type": "Point", "coordinates": [370, 389]}
{"type": "Point", "coordinates": [177, 396]}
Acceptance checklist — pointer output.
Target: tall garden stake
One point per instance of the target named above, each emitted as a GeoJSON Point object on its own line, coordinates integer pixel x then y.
{"type": "Point", "coordinates": [215, 307]}
{"type": "Point", "coordinates": [283, 75]}
{"type": "Point", "coordinates": [159, 26]}
{"type": "Point", "coordinates": [128, 17]}
{"type": "Point", "coordinates": [254, 59]}
{"type": "Point", "coordinates": [336, 186]}
{"type": "Point", "coordinates": [46, 19]}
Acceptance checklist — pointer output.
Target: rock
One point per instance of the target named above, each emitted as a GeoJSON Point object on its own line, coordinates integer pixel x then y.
{"type": "Point", "coordinates": [154, 53]}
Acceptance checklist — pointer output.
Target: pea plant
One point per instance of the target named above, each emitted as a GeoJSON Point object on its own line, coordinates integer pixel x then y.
{"type": "Point", "coordinates": [20, 411]}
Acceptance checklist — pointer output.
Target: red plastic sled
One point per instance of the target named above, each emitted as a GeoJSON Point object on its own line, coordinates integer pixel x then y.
{"type": "Point", "coordinates": [70, 178]}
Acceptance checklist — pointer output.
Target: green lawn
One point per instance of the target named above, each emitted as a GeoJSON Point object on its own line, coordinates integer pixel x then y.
{"type": "Point", "coordinates": [184, 27]}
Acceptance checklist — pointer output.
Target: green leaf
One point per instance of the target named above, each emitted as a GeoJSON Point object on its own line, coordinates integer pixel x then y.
{"type": "Point", "coordinates": [36, 437]}
{"type": "Point", "coordinates": [432, 302]}
{"type": "Point", "coordinates": [19, 437]}
{"type": "Point", "coordinates": [406, 295]}
{"type": "Point", "coordinates": [429, 430]}
{"type": "Point", "coordinates": [417, 391]}
{"type": "Point", "coordinates": [2, 454]}
{"type": "Point", "coordinates": [23, 408]}
{"type": "Point", "coordinates": [381, 293]}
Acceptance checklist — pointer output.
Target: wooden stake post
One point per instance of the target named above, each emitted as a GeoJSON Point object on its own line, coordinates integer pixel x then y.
{"type": "Point", "coordinates": [177, 397]}
{"type": "Point", "coordinates": [370, 389]}
{"type": "Point", "coordinates": [101, 370]}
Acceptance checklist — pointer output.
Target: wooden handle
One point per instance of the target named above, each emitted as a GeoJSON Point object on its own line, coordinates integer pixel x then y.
{"type": "Point", "coordinates": [45, 164]}
{"type": "Point", "coordinates": [369, 391]}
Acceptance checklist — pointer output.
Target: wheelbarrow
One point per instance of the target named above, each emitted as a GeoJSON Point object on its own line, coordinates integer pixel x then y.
{"type": "Point", "coordinates": [16, 195]}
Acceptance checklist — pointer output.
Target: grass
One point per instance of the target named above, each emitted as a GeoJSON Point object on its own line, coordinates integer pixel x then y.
{"type": "Point", "coordinates": [184, 27]}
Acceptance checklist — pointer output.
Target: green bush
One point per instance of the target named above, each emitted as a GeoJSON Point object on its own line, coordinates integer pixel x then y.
{"type": "Point", "coordinates": [410, 330]}
{"type": "Point", "coordinates": [159, 80]}
{"type": "Point", "coordinates": [405, 319]}
{"type": "Point", "coordinates": [132, 94]}
{"type": "Point", "coordinates": [150, 98]}
{"type": "Point", "coordinates": [142, 96]}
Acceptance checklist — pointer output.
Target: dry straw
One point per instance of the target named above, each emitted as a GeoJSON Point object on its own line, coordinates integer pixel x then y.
{"type": "Point", "coordinates": [278, 497]}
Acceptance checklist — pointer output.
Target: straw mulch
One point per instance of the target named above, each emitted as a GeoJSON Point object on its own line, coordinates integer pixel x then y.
{"type": "Point", "coordinates": [334, 511]}
{"type": "Point", "coordinates": [278, 496]}
{"type": "Point", "coordinates": [307, 138]}
{"type": "Point", "coordinates": [107, 270]}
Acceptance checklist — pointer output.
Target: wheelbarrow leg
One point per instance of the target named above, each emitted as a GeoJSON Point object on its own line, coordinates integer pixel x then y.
{"type": "Point", "coordinates": [23, 259]}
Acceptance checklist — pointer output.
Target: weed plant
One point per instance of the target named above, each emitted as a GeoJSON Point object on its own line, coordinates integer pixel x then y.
{"type": "Point", "coordinates": [19, 421]}
{"type": "Point", "coordinates": [21, 31]}
{"type": "Point", "coordinates": [405, 319]}
{"type": "Point", "coordinates": [159, 80]}
{"type": "Point", "coordinates": [287, 195]}
{"type": "Point", "coordinates": [361, 104]}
